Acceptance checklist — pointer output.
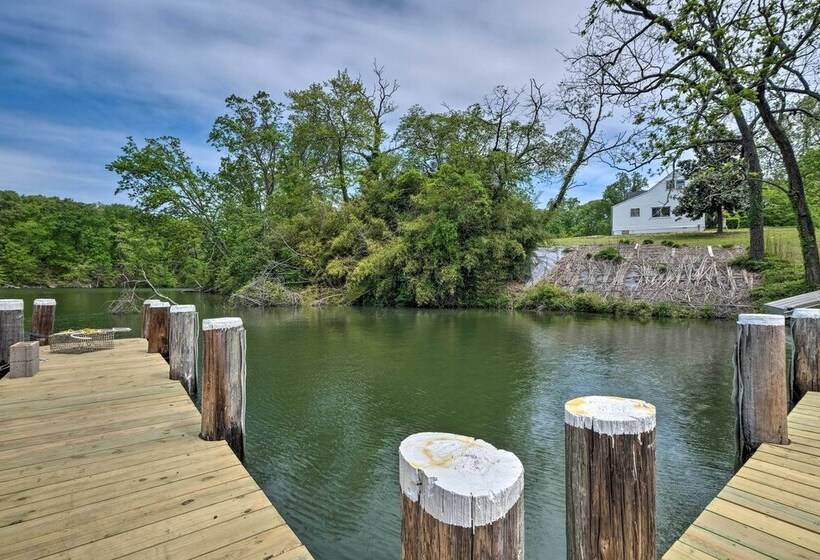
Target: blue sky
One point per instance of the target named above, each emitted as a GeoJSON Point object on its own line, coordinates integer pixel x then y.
{"type": "Point", "coordinates": [81, 76]}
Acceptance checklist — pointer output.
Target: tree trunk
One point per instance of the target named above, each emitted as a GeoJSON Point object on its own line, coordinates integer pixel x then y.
{"type": "Point", "coordinates": [340, 161]}
{"type": "Point", "coordinates": [797, 192]}
{"type": "Point", "coordinates": [719, 218]}
{"type": "Point", "coordinates": [754, 181]}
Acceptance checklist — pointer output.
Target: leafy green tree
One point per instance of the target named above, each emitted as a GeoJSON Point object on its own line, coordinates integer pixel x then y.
{"type": "Point", "coordinates": [332, 130]}
{"type": "Point", "coordinates": [624, 185]}
{"type": "Point", "coordinates": [715, 180]}
{"type": "Point", "coordinates": [735, 54]}
{"type": "Point", "coordinates": [254, 135]}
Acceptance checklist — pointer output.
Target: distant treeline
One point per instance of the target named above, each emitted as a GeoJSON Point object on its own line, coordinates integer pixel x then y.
{"type": "Point", "coordinates": [49, 241]}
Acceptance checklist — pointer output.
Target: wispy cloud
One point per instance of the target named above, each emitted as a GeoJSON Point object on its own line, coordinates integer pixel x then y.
{"type": "Point", "coordinates": [79, 79]}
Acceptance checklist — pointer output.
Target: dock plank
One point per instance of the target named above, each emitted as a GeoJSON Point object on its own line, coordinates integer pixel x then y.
{"type": "Point", "coordinates": [100, 458]}
{"type": "Point", "coordinates": [771, 507]}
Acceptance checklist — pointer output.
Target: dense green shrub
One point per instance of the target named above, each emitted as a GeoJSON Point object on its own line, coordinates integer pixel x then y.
{"type": "Point", "coordinates": [545, 296]}
{"type": "Point", "coordinates": [609, 254]}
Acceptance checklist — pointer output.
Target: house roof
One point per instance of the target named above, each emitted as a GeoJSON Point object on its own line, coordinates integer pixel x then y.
{"type": "Point", "coordinates": [635, 194]}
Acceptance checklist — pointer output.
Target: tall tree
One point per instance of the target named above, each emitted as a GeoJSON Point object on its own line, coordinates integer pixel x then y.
{"type": "Point", "coordinates": [624, 184]}
{"type": "Point", "coordinates": [161, 179]}
{"type": "Point", "coordinates": [737, 51]}
{"type": "Point", "coordinates": [714, 180]}
{"type": "Point", "coordinates": [332, 130]}
{"type": "Point", "coordinates": [254, 135]}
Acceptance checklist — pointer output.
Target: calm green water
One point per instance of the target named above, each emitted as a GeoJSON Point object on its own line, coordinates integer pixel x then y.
{"type": "Point", "coordinates": [331, 393]}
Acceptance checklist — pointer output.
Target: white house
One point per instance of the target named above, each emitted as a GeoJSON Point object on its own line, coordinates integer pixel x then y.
{"type": "Point", "coordinates": [652, 211]}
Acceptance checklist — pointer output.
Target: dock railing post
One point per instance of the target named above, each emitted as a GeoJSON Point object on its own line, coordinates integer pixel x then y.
{"type": "Point", "coordinates": [183, 346]}
{"type": "Point", "coordinates": [805, 365]}
{"type": "Point", "coordinates": [760, 392]}
{"type": "Point", "coordinates": [610, 478]}
{"type": "Point", "coordinates": [159, 317]}
{"type": "Point", "coordinates": [11, 328]}
{"type": "Point", "coordinates": [223, 382]}
{"type": "Point", "coordinates": [146, 310]}
{"type": "Point", "coordinates": [42, 320]}
{"type": "Point", "coordinates": [460, 498]}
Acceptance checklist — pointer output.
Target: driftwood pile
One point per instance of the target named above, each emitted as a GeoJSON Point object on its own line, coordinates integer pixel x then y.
{"type": "Point", "coordinates": [694, 276]}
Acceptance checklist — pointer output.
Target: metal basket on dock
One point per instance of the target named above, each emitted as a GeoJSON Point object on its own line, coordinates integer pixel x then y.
{"type": "Point", "coordinates": [83, 340]}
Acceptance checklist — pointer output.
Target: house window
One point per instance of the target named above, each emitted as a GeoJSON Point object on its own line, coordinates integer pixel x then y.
{"type": "Point", "coordinates": [661, 212]}
{"type": "Point", "coordinates": [634, 212]}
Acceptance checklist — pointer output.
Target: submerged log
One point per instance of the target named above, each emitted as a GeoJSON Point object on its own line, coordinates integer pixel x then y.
{"type": "Point", "coordinates": [805, 374]}
{"type": "Point", "coordinates": [42, 320]}
{"type": "Point", "coordinates": [461, 499]}
{"type": "Point", "coordinates": [760, 385]}
{"type": "Point", "coordinates": [158, 325]}
{"type": "Point", "coordinates": [11, 329]}
{"type": "Point", "coordinates": [183, 346]}
{"type": "Point", "coordinates": [610, 478]}
{"type": "Point", "coordinates": [223, 382]}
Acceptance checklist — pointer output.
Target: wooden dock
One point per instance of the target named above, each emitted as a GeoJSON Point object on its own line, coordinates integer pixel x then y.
{"type": "Point", "coordinates": [771, 507]}
{"type": "Point", "coordinates": [100, 459]}
{"type": "Point", "coordinates": [785, 306]}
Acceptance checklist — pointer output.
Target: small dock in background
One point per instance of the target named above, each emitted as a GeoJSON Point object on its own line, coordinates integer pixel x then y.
{"type": "Point", "coordinates": [771, 507]}
{"type": "Point", "coordinates": [785, 306]}
{"type": "Point", "coordinates": [100, 457]}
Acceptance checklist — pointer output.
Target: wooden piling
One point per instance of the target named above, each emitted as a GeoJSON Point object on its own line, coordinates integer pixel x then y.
{"type": "Point", "coordinates": [146, 310]}
{"type": "Point", "coordinates": [461, 499]}
{"type": "Point", "coordinates": [42, 319]}
{"type": "Point", "coordinates": [610, 478]}
{"type": "Point", "coordinates": [805, 365]}
{"type": "Point", "coordinates": [183, 345]}
{"type": "Point", "coordinates": [760, 393]}
{"type": "Point", "coordinates": [223, 382]}
{"type": "Point", "coordinates": [158, 325]}
{"type": "Point", "coordinates": [11, 328]}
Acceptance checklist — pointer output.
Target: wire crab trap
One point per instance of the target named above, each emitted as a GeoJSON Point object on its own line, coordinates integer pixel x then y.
{"type": "Point", "coordinates": [83, 340]}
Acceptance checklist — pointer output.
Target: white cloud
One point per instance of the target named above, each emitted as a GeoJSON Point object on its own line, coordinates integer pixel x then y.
{"type": "Point", "coordinates": [167, 67]}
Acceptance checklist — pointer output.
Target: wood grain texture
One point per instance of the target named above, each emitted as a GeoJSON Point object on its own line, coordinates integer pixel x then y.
{"type": "Point", "coordinates": [42, 320]}
{"type": "Point", "coordinates": [11, 332]}
{"type": "Point", "coordinates": [158, 327]}
{"type": "Point", "coordinates": [761, 390]}
{"type": "Point", "coordinates": [805, 365]}
{"type": "Point", "coordinates": [461, 499]}
{"type": "Point", "coordinates": [100, 458]}
{"type": "Point", "coordinates": [183, 347]}
{"type": "Point", "coordinates": [769, 509]}
{"type": "Point", "coordinates": [610, 495]}
{"type": "Point", "coordinates": [223, 387]}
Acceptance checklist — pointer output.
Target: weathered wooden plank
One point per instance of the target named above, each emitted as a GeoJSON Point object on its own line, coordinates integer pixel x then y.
{"type": "Point", "coordinates": [719, 546]}
{"type": "Point", "coordinates": [805, 519]}
{"type": "Point", "coordinates": [100, 458]}
{"type": "Point", "coordinates": [54, 498]}
{"type": "Point", "coordinates": [752, 538]}
{"type": "Point", "coordinates": [65, 530]}
{"type": "Point", "coordinates": [771, 507]}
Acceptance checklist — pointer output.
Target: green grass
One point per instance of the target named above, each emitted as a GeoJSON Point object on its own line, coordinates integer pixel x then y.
{"type": "Point", "coordinates": [781, 242]}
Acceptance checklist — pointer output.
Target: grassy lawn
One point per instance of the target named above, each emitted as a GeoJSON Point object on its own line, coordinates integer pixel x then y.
{"type": "Point", "coordinates": [781, 242]}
